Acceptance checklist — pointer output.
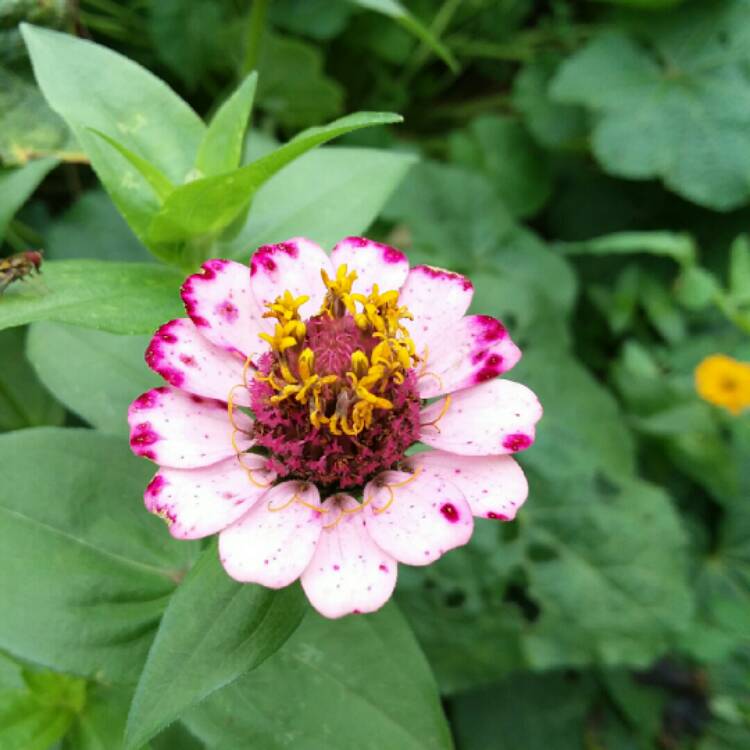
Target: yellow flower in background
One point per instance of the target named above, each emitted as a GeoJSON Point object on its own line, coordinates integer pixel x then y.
{"type": "Point", "coordinates": [724, 381]}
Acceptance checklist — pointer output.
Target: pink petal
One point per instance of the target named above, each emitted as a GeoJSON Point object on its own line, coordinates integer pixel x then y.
{"type": "Point", "coordinates": [348, 572]}
{"type": "Point", "coordinates": [184, 431]}
{"type": "Point", "coordinates": [494, 486]}
{"type": "Point", "coordinates": [474, 350]}
{"type": "Point", "coordinates": [220, 302]}
{"type": "Point", "coordinates": [273, 547]}
{"type": "Point", "coordinates": [199, 502]}
{"type": "Point", "coordinates": [486, 420]}
{"type": "Point", "coordinates": [374, 263]}
{"type": "Point", "coordinates": [187, 360]}
{"type": "Point", "coordinates": [292, 266]}
{"type": "Point", "coordinates": [436, 298]}
{"type": "Point", "coordinates": [418, 521]}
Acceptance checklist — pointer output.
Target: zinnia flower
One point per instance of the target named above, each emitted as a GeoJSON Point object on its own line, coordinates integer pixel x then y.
{"type": "Point", "coordinates": [724, 381]}
{"type": "Point", "coordinates": [296, 388]}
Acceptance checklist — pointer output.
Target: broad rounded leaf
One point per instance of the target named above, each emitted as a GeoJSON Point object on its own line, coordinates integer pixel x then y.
{"type": "Point", "coordinates": [86, 571]}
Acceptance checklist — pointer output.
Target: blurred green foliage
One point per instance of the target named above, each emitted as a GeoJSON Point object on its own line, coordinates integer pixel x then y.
{"type": "Point", "coordinates": [587, 163]}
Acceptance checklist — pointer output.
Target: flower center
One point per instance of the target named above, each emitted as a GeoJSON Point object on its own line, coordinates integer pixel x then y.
{"type": "Point", "coordinates": [335, 399]}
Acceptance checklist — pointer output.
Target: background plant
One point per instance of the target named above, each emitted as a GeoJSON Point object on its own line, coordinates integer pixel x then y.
{"type": "Point", "coordinates": [586, 163]}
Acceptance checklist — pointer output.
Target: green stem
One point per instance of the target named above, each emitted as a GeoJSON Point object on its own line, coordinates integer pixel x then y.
{"type": "Point", "coordinates": [731, 312]}
{"type": "Point", "coordinates": [15, 240]}
{"type": "Point", "coordinates": [256, 25]}
{"type": "Point", "coordinates": [439, 24]}
{"type": "Point", "coordinates": [26, 233]}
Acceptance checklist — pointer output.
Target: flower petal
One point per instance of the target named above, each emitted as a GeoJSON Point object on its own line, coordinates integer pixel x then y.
{"type": "Point", "coordinates": [486, 420]}
{"type": "Point", "coordinates": [436, 298]}
{"type": "Point", "coordinates": [292, 266]}
{"type": "Point", "coordinates": [273, 547]}
{"type": "Point", "coordinates": [474, 350]}
{"type": "Point", "coordinates": [199, 502]}
{"type": "Point", "coordinates": [349, 573]}
{"type": "Point", "coordinates": [416, 517]}
{"type": "Point", "coordinates": [184, 431]}
{"type": "Point", "coordinates": [187, 360]}
{"type": "Point", "coordinates": [374, 263]}
{"type": "Point", "coordinates": [220, 302]}
{"type": "Point", "coordinates": [494, 486]}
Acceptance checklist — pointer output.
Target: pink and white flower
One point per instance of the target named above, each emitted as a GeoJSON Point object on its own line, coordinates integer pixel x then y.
{"type": "Point", "coordinates": [295, 389]}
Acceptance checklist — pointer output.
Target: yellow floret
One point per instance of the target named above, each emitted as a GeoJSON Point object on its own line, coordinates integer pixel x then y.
{"type": "Point", "coordinates": [724, 381]}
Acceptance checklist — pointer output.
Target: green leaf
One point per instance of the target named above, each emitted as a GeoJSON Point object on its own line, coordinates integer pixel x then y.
{"type": "Point", "coordinates": [351, 187]}
{"type": "Point", "coordinates": [501, 148]}
{"type": "Point", "coordinates": [101, 724]}
{"type": "Point", "coordinates": [696, 288]}
{"type": "Point", "coordinates": [723, 590]}
{"type": "Point", "coordinates": [622, 603]}
{"type": "Point", "coordinates": [117, 297]}
{"type": "Point", "coordinates": [506, 716]}
{"type": "Point", "coordinates": [18, 183]}
{"type": "Point", "coordinates": [92, 228]}
{"type": "Point", "coordinates": [456, 220]}
{"type": "Point", "coordinates": [583, 429]}
{"type": "Point", "coordinates": [104, 372]}
{"type": "Point", "coordinates": [554, 125]}
{"type": "Point", "coordinates": [401, 14]}
{"type": "Point", "coordinates": [160, 184]}
{"type": "Point", "coordinates": [318, 19]}
{"type": "Point", "coordinates": [214, 631]}
{"type": "Point", "coordinates": [93, 87]}
{"type": "Point", "coordinates": [662, 310]}
{"type": "Point", "coordinates": [458, 600]}
{"type": "Point", "coordinates": [31, 130]}
{"type": "Point", "coordinates": [671, 100]}
{"type": "Point", "coordinates": [87, 571]}
{"type": "Point", "coordinates": [221, 147]}
{"type": "Point", "coordinates": [293, 87]}
{"type": "Point", "coordinates": [209, 205]}
{"type": "Point", "coordinates": [370, 668]}
{"type": "Point", "coordinates": [679, 247]}
{"type": "Point", "coordinates": [454, 215]}
{"type": "Point", "coordinates": [23, 400]}
{"type": "Point", "coordinates": [739, 270]}
{"type": "Point", "coordinates": [37, 716]}
{"type": "Point", "coordinates": [193, 38]}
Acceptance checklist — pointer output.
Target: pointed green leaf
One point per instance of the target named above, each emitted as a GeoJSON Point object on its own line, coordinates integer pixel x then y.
{"type": "Point", "coordinates": [351, 187]}
{"type": "Point", "coordinates": [161, 185]}
{"type": "Point", "coordinates": [214, 631]}
{"type": "Point", "coordinates": [92, 86]}
{"type": "Point", "coordinates": [209, 205]}
{"type": "Point", "coordinates": [221, 147]}
{"type": "Point", "coordinates": [117, 297]}
{"type": "Point", "coordinates": [358, 682]}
